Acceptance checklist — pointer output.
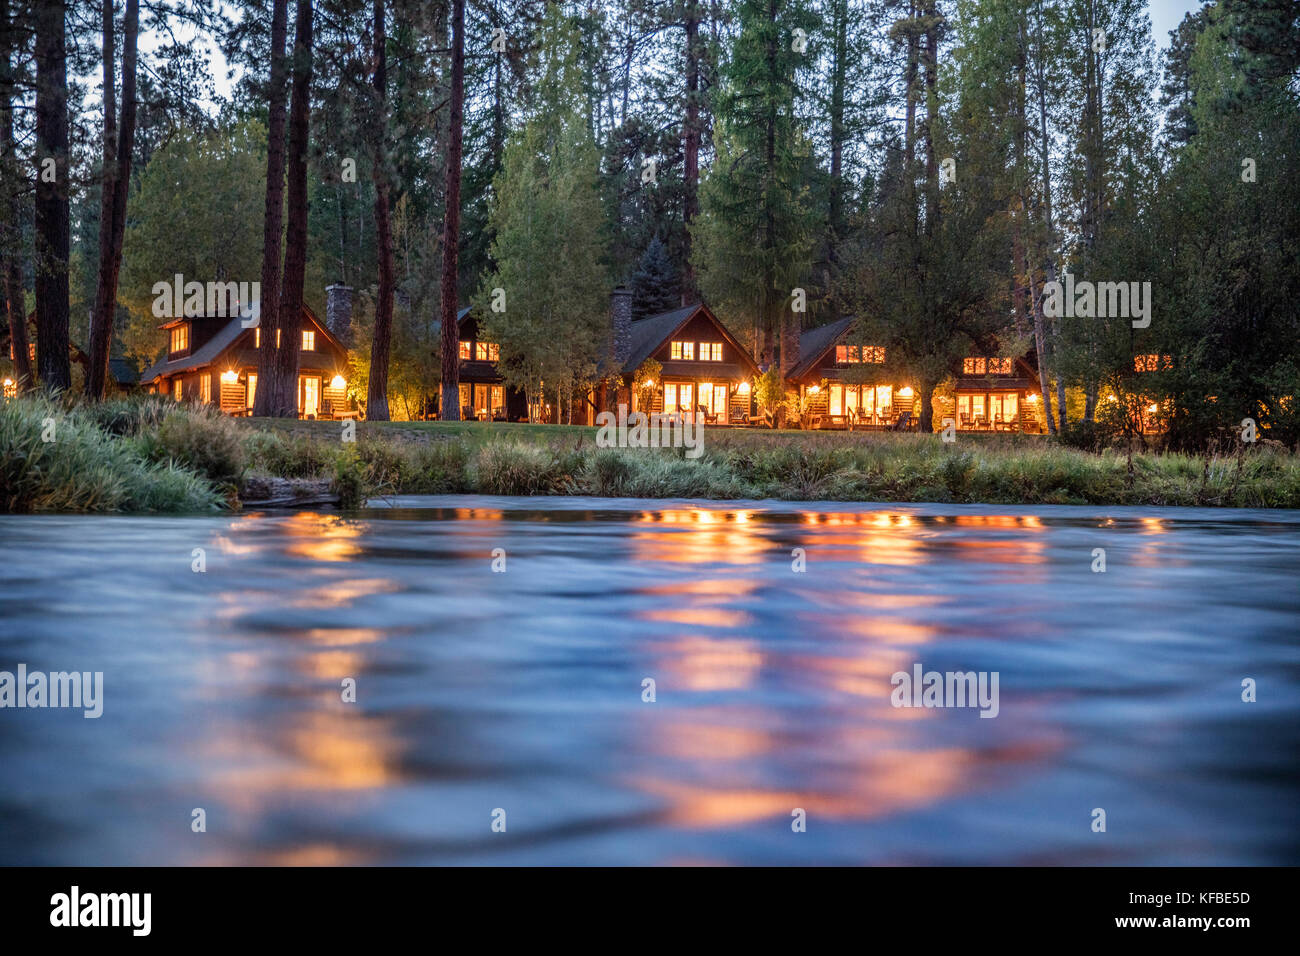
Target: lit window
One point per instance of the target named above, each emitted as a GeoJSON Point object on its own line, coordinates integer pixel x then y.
{"type": "Point", "coordinates": [180, 338]}
{"type": "Point", "coordinates": [308, 340]}
{"type": "Point", "coordinates": [1152, 363]}
{"type": "Point", "coordinates": [205, 389]}
{"type": "Point", "coordinates": [873, 353]}
{"type": "Point", "coordinates": [973, 366]}
{"type": "Point", "coordinates": [177, 389]}
{"type": "Point", "coordinates": [684, 351]}
{"type": "Point", "coordinates": [257, 337]}
{"type": "Point", "coordinates": [487, 351]}
{"type": "Point", "coordinates": [711, 351]}
{"type": "Point", "coordinates": [464, 351]}
{"type": "Point", "coordinates": [999, 366]}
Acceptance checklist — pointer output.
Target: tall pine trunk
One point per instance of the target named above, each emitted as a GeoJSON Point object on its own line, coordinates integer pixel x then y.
{"type": "Point", "coordinates": [273, 224]}
{"type": "Point", "coordinates": [53, 239]}
{"type": "Point", "coordinates": [691, 137]}
{"type": "Point", "coordinates": [284, 373]}
{"type": "Point", "coordinates": [119, 145]}
{"type": "Point", "coordinates": [450, 404]}
{"type": "Point", "coordinates": [381, 342]}
{"type": "Point", "coordinates": [11, 235]}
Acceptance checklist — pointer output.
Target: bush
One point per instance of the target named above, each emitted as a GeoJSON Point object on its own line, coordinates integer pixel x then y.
{"type": "Point", "coordinates": [514, 468]}
{"type": "Point", "coordinates": [203, 441]}
{"type": "Point", "coordinates": [84, 468]}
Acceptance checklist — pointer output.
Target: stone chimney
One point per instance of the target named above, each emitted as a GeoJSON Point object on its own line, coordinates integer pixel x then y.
{"type": "Point", "coordinates": [790, 329]}
{"type": "Point", "coordinates": [620, 323]}
{"type": "Point", "coordinates": [338, 312]}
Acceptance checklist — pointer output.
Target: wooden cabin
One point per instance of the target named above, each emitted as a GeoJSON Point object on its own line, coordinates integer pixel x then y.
{"type": "Point", "coordinates": [705, 372]}
{"type": "Point", "coordinates": [214, 359]}
{"type": "Point", "coordinates": [122, 376]}
{"type": "Point", "coordinates": [996, 394]}
{"type": "Point", "coordinates": [483, 394]}
{"type": "Point", "coordinates": [839, 385]}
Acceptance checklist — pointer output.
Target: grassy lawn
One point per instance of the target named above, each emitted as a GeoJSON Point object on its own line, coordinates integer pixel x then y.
{"type": "Point", "coordinates": [152, 455]}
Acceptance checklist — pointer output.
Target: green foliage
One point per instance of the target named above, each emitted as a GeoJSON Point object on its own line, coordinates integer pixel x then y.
{"type": "Point", "coordinates": [197, 210]}
{"type": "Point", "coordinates": [84, 468]}
{"type": "Point", "coordinates": [548, 245]}
{"type": "Point", "coordinates": [752, 243]}
{"type": "Point", "coordinates": [200, 439]}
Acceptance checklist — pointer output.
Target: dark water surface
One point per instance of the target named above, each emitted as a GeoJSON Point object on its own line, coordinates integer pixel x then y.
{"type": "Point", "coordinates": [522, 690]}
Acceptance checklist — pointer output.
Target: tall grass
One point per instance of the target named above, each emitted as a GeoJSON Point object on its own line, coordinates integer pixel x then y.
{"type": "Point", "coordinates": [148, 454]}
{"type": "Point", "coordinates": [53, 459]}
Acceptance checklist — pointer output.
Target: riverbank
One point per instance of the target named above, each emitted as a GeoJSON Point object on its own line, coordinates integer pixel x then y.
{"type": "Point", "coordinates": [150, 455]}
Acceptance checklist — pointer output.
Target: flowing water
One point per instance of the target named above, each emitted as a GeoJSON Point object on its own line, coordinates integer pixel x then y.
{"type": "Point", "coordinates": [517, 694]}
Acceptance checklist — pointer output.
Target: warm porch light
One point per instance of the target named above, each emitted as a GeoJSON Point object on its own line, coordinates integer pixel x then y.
{"type": "Point", "coordinates": [814, 389]}
{"type": "Point", "coordinates": [337, 382]}
{"type": "Point", "coordinates": [8, 382]}
{"type": "Point", "coordinates": [1153, 409]}
{"type": "Point", "coordinates": [649, 383]}
{"type": "Point", "coordinates": [905, 391]}
{"type": "Point", "coordinates": [1031, 398]}
{"type": "Point", "coordinates": [742, 388]}
{"type": "Point", "coordinates": [229, 376]}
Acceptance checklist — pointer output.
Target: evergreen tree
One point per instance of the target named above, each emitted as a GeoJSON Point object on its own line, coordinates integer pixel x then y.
{"type": "Point", "coordinates": [545, 302]}
{"type": "Point", "coordinates": [656, 286]}
{"type": "Point", "coordinates": [752, 245]}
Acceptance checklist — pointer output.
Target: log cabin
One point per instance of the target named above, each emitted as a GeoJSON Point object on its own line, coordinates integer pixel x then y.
{"type": "Point", "coordinates": [995, 393]}
{"type": "Point", "coordinates": [704, 371]}
{"type": "Point", "coordinates": [483, 394]}
{"type": "Point", "coordinates": [122, 376]}
{"type": "Point", "coordinates": [838, 385]}
{"type": "Point", "coordinates": [214, 359]}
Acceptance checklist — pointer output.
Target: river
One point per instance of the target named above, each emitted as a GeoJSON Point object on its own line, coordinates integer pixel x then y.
{"type": "Point", "coordinates": [500, 652]}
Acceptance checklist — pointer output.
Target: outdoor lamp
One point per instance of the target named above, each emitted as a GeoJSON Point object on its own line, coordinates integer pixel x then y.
{"type": "Point", "coordinates": [229, 376]}
{"type": "Point", "coordinates": [337, 382]}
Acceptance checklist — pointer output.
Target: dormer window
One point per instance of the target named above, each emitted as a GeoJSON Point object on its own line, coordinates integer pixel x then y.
{"type": "Point", "coordinates": [308, 340]}
{"type": "Point", "coordinates": [854, 355]}
{"type": "Point", "coordinates": [980, 365]}
{"type": "Point", "coordinates": [180, 338]}
{"type": "Point", "coordinates": [1152, 363]}
{"type": "Point", "coordinates": [464, 351]}
{"type": "Point", "coordinates": [487, 351]}
{"type": "Point", "coordinates": [684, 351]}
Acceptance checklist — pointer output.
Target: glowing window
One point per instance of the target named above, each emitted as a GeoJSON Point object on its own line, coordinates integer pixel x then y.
{"type": "Point", "coordinates": [308, 340]}
{"type": "Point", "coordinates": [487, 351]}
{"type": "Point", "coordinates": [464, 351]}
{"type": "Point", "coordinates": [180, 338]}
{"type": "Point", "coordinates": [684, 351]}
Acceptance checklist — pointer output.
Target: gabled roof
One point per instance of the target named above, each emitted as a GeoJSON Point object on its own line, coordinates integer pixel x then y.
{"type": "Point", "coordinates": [460, 320]}
{"type": "Point", "coordinates": [225, 337]}
{"type": "Point", "coordinates": [650, 333]}
{"type": "Point", "coordinates": [815, 343]}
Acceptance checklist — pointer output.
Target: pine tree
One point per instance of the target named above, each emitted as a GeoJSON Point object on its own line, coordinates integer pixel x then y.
{"type": "Point", "coordinates": [752, 244]}
{"type": "Point", "coordinates": [545, 302]}
{"type": "Point", "coordinates": [656, 286]}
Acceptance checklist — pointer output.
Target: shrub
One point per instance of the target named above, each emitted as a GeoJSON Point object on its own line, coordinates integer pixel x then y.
{"type": "Point", "coordinates": [203, 441]}
{"type": "Point", "coordinates": [84, 468]}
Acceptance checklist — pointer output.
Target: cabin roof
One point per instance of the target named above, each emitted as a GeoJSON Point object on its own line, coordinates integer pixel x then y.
{"type": "Point", "coordinates": [651, 332]}
{"type": "Point", "coordinates": [815, 343]}
{"type": "Point", "coordinates": [225, 337]}
{"type": "Point", "coordinates": [460, 319]}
